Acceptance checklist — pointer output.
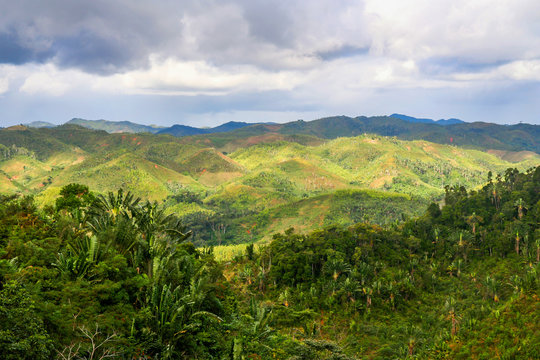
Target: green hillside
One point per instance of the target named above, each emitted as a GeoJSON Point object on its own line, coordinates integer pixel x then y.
{"type": "Point", "coordinates": [115, 277]}
{"type": "Point", "coordinates": [368, 161]}
{"type": "Point", "coordinates": [268, 176]}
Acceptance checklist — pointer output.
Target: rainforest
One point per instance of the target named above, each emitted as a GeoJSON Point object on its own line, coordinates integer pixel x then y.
{"type": "Point", "coordinates": [142, 246]}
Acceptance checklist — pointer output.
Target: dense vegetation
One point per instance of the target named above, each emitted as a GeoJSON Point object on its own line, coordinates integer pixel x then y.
{"type": "Point", "coordinates": [95, 276]}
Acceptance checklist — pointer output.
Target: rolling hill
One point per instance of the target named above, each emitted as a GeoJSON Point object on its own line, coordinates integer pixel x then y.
{"type": "Point", "coordinates": [261, 184]}
{"type": "Point", "coordinates": [233, 135]}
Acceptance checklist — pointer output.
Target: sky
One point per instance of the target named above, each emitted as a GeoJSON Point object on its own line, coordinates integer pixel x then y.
{"type": "Point", "coordinates": [205, 62]}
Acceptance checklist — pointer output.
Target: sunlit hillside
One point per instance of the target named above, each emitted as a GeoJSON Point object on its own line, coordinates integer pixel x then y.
{"type": "Point", "coordinates": [266, 185]}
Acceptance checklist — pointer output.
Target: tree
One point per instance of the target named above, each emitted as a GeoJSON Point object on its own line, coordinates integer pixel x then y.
{"type": "Point", "coordinates": [520, 206]}
{"type": "Point", "coordinates": [473, 220]}
{"type": "Point", "coordinates": [22, 335]}
{"type": "Point", "coordinates": [74, 196]}
{"type": "Point", "coordinates": [160, 234]}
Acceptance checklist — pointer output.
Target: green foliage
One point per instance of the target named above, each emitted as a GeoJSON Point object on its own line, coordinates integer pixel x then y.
{"type": "Point", "coordinates": [116, 276]}
{"type": "Point", "coordinates": [22, 334]}
{"type": "Point", "coordinates": [74, 196]}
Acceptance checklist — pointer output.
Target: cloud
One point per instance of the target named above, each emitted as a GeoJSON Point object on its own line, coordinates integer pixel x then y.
{"type": "Point", "coordinates": [107, 37]}
{"type": "Point", "coordinates": [342, 51]}
{"type": "Point", "coordinates": [4, 85]}
{"type": "Point", "coordinates": [324, 55]}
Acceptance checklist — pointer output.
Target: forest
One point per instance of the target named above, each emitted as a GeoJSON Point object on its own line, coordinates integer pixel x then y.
{"type": "Point", "coordinates": [97, 276]}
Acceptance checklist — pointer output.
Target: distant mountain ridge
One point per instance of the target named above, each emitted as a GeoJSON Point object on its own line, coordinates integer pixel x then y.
{"type": "Point", "coordinates": [115, 126]}
{"type": "Point", "coordinates": [40, 124]}
{"type": "Point", "coordinates": [412, 119]}
{"type": "Point", "coordinates": [480, 135]}
{"type": "Point", "coordinates": [130, 127]}
{"type": "Point", "coordinates": [185, 130]}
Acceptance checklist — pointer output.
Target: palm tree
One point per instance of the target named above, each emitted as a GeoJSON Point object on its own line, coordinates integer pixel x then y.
{"type": "Point", "coordinates": [520, 205]}
{"type": "Point", "coordinates": [351, 288]}
{"type": "Point", "coordinates": [160, 233]}
{"type": "Point", "coordinates": [175, 313]}
{"type": "Point", "coordinates": [284, 297]}
{"type": "Point", "coordinates": [450, 306]}
{"type": "Point", "coordinates": [115, 205]}
{"type": "Point", "coordinates": [111, 218]}
{"type": "Point", "coordinates": [473, 220]}
{"type": "Point", "coordinates": [492, 287]}
{"type": "Point", "coordinates": [517, 242]}
{"type": "Point", "coordinates": [336, 267]}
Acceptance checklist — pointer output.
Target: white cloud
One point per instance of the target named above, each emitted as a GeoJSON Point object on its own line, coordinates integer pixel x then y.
{"type": "Point", "coordinates": [482, 31]}
{"type": "Point", "coordinates": [166, 77]}
{"type": "Point", "coordinates": [4, 85]}
{"type": "Point", "coordinates": [50, 80]}
{"type": "Point", "coordinates": [196, 77]}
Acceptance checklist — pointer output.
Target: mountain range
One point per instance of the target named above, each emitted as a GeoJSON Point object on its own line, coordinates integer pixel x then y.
{"type": "Point", "coordinates": [477, 135]}
{"type": "Point", "coordinates": [428, 121]}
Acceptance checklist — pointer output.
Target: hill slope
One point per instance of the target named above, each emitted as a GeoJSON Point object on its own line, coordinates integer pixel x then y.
{"type": "Point", "coordinates": [264, 177]}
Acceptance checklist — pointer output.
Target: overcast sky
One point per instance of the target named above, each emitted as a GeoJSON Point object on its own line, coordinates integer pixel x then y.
{"type": "Point", "coordinates": [204, 62]}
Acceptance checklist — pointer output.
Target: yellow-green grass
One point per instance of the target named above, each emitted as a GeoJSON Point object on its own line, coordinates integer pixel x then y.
{"type": "Point", "coordinates": [130, 172]}
{"type": "Point", "coordinates": [264, 175]}
{"type": "Point", "coordinates": [343, 207]}
{"type": "Point", "coordinates": [371, 161]}
{"type": "Point", "coordinates": [229, 252]}
{"type": "Point", "coordinates": [184, 209]}
{"type": "Point", "coordinates": [26, 171]}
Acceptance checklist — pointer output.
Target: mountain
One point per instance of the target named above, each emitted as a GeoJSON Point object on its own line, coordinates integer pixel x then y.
{"type": "Point", "coordinates": [40, 124]}
{"type": "Point", "coordinates": [182, 130]}
{"type": "Point", "coordinates": [129, 127]}
{"type": "Point", "coordinates": [185, 130]}
{"type": "Point", "coordinates": [229, 126]}
{"type": "Point", "coordinates": [478, 135]}
{"type": "Point", "coordinates": [114, 126]}
{"type": "Point", "coordinates": [428, 121]}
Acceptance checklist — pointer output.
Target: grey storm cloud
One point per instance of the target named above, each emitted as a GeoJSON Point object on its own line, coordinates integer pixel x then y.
{"type": "Point", "coordinates": [96, 36]}
{"type": "Point", "coordinates": [113, 36]}
{"type": "Point", "coordinates": [105, 37]}
{"type": "Point", "coordinates": [343, 51]}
